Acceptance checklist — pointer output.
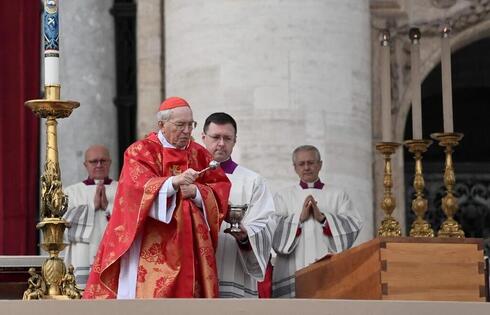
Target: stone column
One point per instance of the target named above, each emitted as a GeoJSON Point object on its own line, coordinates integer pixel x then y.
{"type": "Point", "coordinates": [87, 75]}
{"type": "Point", "coordinates": [291, 73]}
{"type": "Point", "coordinates": [149, 28]}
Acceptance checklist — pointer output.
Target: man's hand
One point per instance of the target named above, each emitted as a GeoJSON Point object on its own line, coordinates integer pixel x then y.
{"type": "Point", "coordinates": [188, 191]}
{"type": "Point", "coordinates": [103, 198]}
{"type": "Point", "coordinates": [317, 214]}
{"type": "Point", "coordinates": [100, 198]}
{"type": "Point", "coordinates": [239, 236]}
{"type": "Point", "coordinates": [186, 178]}
{"type": "Point", "coordinates": [306, 212]}
{"type": "Point", "coordinates": [97, 197]}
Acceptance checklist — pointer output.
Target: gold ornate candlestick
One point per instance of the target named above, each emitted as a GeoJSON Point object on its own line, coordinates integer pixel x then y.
{"type": "Point", "coordinates": [389, 226]}
{"type": "Point", "coordinates": [53, 201]}
{"type": "Point", "coordinates": [449, 228]}
{"type": "Point", "coordinates": [420, 227]}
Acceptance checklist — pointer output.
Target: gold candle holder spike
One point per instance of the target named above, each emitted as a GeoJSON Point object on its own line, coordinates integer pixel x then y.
{"type": "Point", "coordinates": [53, 201]}
{"type": "Point", "coordinates": [420, 227]}
{"type": "Point", "coordinates": [449, 228]}
{"type": "Point", "coordinates": [390, 227]}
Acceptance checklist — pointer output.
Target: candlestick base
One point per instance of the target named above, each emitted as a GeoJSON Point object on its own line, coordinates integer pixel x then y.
{"type": "Point", "coordinates": [389, 225]}
{"type": "Point", "coordinates": [449, 228]}
{"type": "Point", "coordinates": [420, 227]}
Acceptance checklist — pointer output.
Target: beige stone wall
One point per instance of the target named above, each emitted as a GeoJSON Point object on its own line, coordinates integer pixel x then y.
{"type": "Point", "coordinates": [234, 58]}
{"type": "Point", "coordinates": [291, 73]}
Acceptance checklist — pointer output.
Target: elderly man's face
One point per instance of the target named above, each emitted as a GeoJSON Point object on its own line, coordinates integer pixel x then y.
{"type": "Point", "coordinates": [178, 129]}
{"type": "Point", "coordinates": [307, 166]}
{"type": "Point", "coordinates": [97, 162]}
{"type": "Point", "coordinates": [219, 140]}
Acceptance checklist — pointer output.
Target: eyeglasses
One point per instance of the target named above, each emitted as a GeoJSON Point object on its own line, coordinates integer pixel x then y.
{"type": "Point", "coordinates": [217, 138]}
{"type": "Point", "coordinates": [96, 162]}
{"type": "Point", "coordinates": [180, 125]}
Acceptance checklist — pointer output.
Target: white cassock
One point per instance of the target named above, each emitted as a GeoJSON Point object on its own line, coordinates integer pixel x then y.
{"type": "Point", "coordinates": [87, 227]}
{"type": "Point", "coordinates": [240, 269]}
{"type": "Point", "coordinates": [298, 251]}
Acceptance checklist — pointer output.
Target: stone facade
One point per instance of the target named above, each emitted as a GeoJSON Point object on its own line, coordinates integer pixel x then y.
{"type": "Point", "coordinates": [149, 28]}
{"type": "Point", "coordinates": [291, 73]}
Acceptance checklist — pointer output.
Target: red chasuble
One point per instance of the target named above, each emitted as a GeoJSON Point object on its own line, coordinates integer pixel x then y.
{"type": "Point", "coordinates": [177, 259]}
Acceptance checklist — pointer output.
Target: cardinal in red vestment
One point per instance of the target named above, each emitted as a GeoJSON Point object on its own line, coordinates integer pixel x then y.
{"type": "Point", "coordinates": [161, 239]}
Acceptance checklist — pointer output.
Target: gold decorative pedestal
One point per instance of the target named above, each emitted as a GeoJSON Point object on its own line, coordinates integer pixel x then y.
{"type": "Point", "coordinates": [449, 228]}
{"type": "Point", "coordinates": [53, 201]}
{"type": "Point", "coordinates": [390, 227]}
{"type": "Point", "coordinates": [420, 227]}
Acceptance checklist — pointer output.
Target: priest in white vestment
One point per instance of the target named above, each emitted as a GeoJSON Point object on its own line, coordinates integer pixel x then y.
{"type": "Point", "coordinates": [89, 209]}
{"type": "Point", "coordinates": [314, 220]}
{"type": "Point", "coordinates": [242, 257]}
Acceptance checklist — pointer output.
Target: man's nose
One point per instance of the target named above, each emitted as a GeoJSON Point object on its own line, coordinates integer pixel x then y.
{"type": "Point", "coordinates": [221, 141]}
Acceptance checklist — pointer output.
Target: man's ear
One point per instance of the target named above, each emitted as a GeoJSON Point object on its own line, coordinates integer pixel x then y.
{"type": "Point", "coordinates": [203, 135]}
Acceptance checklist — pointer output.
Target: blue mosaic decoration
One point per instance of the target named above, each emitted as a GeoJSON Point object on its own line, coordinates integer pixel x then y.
{"type": "Point", "coordinates": [51, 28]}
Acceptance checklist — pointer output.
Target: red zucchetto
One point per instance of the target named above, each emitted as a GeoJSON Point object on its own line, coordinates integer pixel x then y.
{"type": "Point", "coordinates": [173, 102]}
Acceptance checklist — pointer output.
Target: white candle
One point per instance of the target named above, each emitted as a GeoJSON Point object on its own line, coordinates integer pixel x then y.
{"type": "Point", "coordinates": [447, 96]}
{"type": "Point", "coordinates": [51, 42]}
{"type": "Point", "coordinates": [415, 84]}
{"type": "Point", "coordinates": [385, 88]}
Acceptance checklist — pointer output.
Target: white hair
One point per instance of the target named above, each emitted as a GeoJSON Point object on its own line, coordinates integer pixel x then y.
{"type": "Point", "coordinates": [164, 115]}
{"type": "Point", "coordinates": [306, 147]}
